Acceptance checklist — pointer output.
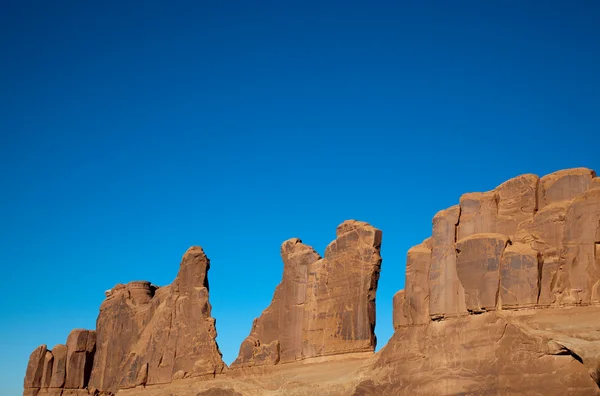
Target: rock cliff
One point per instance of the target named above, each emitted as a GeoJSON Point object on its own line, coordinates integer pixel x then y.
{"type": "Point", "coordinates": [65, 369]}
{"type": "Point", "coordinates": [144, 335]}
{"type": "Point", "coordinates": [323, 306]}
{"type": "Point", "coordinates": [491, 271]}
{"type": "Point", "coordinates": [503, 298]}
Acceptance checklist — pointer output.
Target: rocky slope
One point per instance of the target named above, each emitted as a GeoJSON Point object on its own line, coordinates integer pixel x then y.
{"type": "Point", "coordinates": [503, 298]}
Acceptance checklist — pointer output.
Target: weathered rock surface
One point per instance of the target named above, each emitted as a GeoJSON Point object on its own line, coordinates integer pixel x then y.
{"type": "Point", "coordinates": [447, 295]}
{"type": "Point", "coordinates": [555, 216]}
{"type": "Point", "coordinates": [145, 335]}
{"type": "Point", "coordinates": [416, 296]}
{"type": "Point", "coordinates": [168, 332]}
{"type": "Point", "coordinates": [276, 336]}
{"type": "Point", "coordinates": [59, 367]}
{"type": "Point", "coordinates": [35, 368]}
{"type": "Point", "coordinates": [504, 298]}
{"type": "Point", "coordinates": [323, 306]}
{"type": "Point", "coordinates": [47, 371]}
{"type": "Point", "coordinates": [520, 277]}
{"type": "Point", "coordinates": [123, 315]}
{"type": "Point", "coordinates": [478, 267]}
{"type": "Point", "coordinates": [339, 313]}
{"type": "Point", "coordinates": [564, 185]}
{"type": "Point", "coordinates": [544, 233]}
{"type": "Point", "coordinates": [63, 370]}
{"type": "Point", "coordinates": [81, 345]}
{"type": "Point", "coordinates": [400, 317]}
{"type": "Point", "coordinates": [491, 353]}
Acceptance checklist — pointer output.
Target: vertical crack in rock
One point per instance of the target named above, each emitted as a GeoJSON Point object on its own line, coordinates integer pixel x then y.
{"type": "Point", "coordinates": [540, 261]}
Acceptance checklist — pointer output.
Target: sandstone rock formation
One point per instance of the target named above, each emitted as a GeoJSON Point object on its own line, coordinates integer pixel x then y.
{"type": "Point", "coordinates": [64, 368]}
{"type": "Point", "coordinates": [504, 298]}
{"type": "Point", "coordinates": [492, 353]}
{"type": "Point", "coordinates": [145, 335]}
{"type": "Point", "coordinates": [166, 332]}
{"type": "Point", "coordinates": [539, 234]}
{"type": "Point", "coordinates": [323, 306]}
{"type": "Point", "coordinates": [529, 243]}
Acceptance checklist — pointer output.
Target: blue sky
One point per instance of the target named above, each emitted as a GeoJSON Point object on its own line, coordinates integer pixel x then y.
{"type": "Point", "coordinates": [129, 132]}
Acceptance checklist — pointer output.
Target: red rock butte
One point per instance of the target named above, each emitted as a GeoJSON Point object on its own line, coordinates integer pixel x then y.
{"type": "Point", "coordinates": [503, 298]}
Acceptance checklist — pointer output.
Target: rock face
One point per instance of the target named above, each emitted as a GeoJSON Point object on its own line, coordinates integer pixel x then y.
{"type": "Point", "coordinates": [491, 353]}
{"type": "Point", "coordinates": [81, 345]}
{"type": "Point", "coordinates": [65, 368]}
{"type": "Point", "coordinates": [529, 243]}
{"type": "Point", "coordinates": [323, 306]}
{"type": "Point", "coordinates": [166, 332]}
{"type": "Point", "coordinates": [145, 335]}
{"type": "Point", "coordinates": [59, 367]}
{"type": "Point", "coordinates": [504, 298]}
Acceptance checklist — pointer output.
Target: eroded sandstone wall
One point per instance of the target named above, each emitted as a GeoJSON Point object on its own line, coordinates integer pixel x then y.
{"type": "Point", "coordinates": [144, 335]}
{"type": "Point", "coordinates": [64, 369]}
{"type": "Point", "coordinates": [323, 306]}
{"type": "Point", "coordinates": [529, 242]}
{"type": "Point", "coordinates": [464, 322]}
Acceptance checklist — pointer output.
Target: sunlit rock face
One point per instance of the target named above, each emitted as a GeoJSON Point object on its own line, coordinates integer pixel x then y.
{"type": "Point", "coordinates": [323, 306]}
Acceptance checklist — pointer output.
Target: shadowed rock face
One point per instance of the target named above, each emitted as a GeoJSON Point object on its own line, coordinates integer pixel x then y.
{"type": "Point", "coordinates": [323, 306]}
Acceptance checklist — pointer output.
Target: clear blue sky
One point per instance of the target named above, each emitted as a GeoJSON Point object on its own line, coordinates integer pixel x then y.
{"type": "Point", "coordinates": [132, 131]}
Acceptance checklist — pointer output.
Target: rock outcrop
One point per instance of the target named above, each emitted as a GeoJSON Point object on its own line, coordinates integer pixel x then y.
{"type": "Point", "coordinates": [144, 335]}
{"type": "Point", "coordinates": [323, 306]}
{"type": "Point", "coordinates": [167, 332]}
{"type": "Point", "coordinates": [64, 369]}
{"type": "Point", "coordinates": [529, 243]}
{"type": "Point", "coordinates": [503, 298]}
{"type": "Point", "coordinates": [489, 354]}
